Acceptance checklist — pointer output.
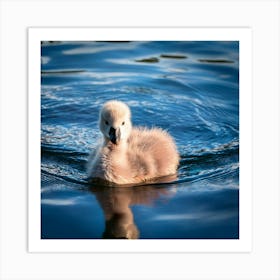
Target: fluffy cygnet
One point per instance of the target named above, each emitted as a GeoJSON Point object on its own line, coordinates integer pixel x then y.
{"type": "Point", "coordinates": [129, 154]}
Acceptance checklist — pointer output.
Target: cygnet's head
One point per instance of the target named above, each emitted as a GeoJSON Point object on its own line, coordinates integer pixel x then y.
{"type": "Point", "coordinates": [114, 121]}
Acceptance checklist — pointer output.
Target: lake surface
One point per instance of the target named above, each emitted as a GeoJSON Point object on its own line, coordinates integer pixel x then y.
{"type": "Point", "coordinates": [190, 89]}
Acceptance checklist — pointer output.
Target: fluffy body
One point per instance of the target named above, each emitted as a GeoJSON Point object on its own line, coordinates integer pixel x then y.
{"type": "Point", "coordinates": [139, 154]}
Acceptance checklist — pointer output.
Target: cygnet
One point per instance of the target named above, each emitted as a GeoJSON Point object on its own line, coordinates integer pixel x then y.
{"type": "Point", "coordinates": [130, 155]}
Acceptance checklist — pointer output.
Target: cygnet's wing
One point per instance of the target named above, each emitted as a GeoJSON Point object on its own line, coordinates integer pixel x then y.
{"type": "Point", "coordinates": [153, 152]}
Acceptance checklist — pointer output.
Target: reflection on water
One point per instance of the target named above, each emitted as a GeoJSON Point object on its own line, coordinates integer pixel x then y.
{"type": "Point", "coordinates": [148, 212]}
{"type": "Point", "coordinates": [116, 203]}
{"type": "Point", "coordinates": [190, 89]}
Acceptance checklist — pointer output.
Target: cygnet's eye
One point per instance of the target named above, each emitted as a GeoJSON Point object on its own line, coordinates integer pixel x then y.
{"type": "Point", "coordinates": [123, 123]}
{"type": "Point", "coordinates": [106, 122]}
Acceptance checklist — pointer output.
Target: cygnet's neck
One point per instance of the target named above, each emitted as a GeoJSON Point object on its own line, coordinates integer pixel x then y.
{"type": "Point", "coordinates": [121, 146]}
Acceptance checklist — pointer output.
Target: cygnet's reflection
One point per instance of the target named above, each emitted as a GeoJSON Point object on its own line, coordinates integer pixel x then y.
{"type": "Point", "coordinates": [116, 204]}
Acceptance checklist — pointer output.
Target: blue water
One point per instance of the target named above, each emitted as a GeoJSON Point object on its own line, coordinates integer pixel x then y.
{"type": "Point", "coordinates": [189, 88]}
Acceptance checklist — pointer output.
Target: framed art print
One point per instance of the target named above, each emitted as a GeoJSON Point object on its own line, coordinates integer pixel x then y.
{"type": "Point", "coordinates": [192, 84]}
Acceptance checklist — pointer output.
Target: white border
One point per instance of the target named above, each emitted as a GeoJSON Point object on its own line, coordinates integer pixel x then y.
{"type": "Point", "coordinates": [243, 35]}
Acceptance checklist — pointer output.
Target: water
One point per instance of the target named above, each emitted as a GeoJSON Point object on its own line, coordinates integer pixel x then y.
{"type": "Point", "coordinates": [189, 88]}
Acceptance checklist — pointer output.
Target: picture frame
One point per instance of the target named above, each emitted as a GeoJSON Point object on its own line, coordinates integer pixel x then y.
{"type": "Point", "coordinates": [36, 36]}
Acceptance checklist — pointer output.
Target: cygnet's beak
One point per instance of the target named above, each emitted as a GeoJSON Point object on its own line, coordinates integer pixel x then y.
{"type": "Point", "coordinates": [115, 135]}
